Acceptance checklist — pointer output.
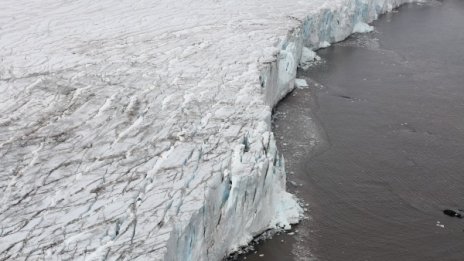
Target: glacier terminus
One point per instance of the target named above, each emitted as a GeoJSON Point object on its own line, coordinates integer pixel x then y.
{"type": "Point", "coordinates": [141, 130]}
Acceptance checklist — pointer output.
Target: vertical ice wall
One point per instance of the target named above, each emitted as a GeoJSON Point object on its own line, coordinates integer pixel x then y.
{"type": "Point", "coordinates": [329, 24]}
{"type": "Point", "coordinates": [248, 200]}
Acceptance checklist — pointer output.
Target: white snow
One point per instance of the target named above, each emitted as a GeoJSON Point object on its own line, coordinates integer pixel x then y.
{"type": "Point", "coordinates": [141, 129]}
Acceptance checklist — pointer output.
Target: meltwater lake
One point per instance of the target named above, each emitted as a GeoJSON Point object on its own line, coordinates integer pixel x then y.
{"type": "Point", "coordinates": [375, 145]}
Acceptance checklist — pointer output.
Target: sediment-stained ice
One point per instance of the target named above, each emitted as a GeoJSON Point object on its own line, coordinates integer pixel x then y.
{"type": "Point", "coordinates": [141, 129]}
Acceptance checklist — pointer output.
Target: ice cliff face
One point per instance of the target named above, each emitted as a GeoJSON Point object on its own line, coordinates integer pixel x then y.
{"type": "Point", "coordinates": [141, 130]}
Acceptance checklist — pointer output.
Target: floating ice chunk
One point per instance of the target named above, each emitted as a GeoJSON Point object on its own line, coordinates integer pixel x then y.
{"type": "Point", "coordinates": [301, 84]}
{"type": "Point", "coordinates": [440, 225]}
{"type": "Point", "coordinates": [361, 27]}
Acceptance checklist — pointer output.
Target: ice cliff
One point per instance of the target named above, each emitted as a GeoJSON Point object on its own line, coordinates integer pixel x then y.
{"type": "Point", "coordinates": [141, 129]}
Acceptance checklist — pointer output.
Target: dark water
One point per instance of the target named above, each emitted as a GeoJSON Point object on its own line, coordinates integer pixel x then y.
{"type": "Point", "coordinates": [376, 144]}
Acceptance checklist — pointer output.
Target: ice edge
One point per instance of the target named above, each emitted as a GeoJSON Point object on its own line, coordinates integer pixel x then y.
{"type": "Point", "coordinates": [247, 200]}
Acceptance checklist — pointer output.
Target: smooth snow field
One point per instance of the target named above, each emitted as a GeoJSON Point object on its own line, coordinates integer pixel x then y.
{"type": "Point", "coordinates": [142, 129]}
{"type": "Point", "coordinates": [375, 143]}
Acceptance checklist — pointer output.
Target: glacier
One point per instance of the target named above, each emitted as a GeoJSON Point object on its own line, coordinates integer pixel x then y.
{"type": "Point", "coordinates": [142, 129]}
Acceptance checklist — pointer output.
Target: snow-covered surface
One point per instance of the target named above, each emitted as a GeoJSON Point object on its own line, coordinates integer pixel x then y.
{"type": "Point", "coordinates": [141, 129]}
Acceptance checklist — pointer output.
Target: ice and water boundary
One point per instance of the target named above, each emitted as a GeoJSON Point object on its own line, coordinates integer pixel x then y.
{"type": "Point", "coordinates": [247, 201]}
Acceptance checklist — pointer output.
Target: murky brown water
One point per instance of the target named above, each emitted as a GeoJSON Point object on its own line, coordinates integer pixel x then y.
{"type": "Point", "coordinates": [375, 146]}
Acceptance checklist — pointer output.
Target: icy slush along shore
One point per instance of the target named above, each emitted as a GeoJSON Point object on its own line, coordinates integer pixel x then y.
{"type": "Point", "coordinates": [141, 130]}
